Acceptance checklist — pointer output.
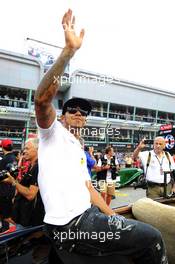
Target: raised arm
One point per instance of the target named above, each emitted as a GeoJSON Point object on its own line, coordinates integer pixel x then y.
{"type": "Point", "coordinates": [49, 85]}
{"type": "Point", "coordinates": [138, 149]}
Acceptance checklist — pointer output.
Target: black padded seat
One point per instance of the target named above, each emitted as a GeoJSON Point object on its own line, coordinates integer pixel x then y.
{"type": "Point", "coordinates": [74, 258]}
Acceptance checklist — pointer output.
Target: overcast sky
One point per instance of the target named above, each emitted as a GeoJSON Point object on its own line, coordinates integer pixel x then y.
{"type": "Point", "coordinates": [129, 39]}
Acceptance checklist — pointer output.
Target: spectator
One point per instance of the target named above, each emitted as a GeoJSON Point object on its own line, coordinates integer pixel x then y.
{"type": "Point", "coordinates": [7, 191]}
{"type": "Point", "coordinates": [91, 161]}
{"type": "Point", "coordinates": [106, 175]}
{"type": "Point", "coordinates": [28, 208]}
{"type": "Point", "coordinates": [128, 161]}
{"type": "Point", "coordinates": [155, 162]}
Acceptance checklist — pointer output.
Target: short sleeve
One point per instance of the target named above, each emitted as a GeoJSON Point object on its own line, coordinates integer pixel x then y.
{"type": "Point", "coordinates": [46, 133]}
{"type": "Point", "coordinates": [143, 156]}
{"type": "Point", "coordinates": [90, 161]}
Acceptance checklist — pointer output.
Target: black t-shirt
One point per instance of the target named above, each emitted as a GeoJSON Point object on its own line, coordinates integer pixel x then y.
{"type": "Point", "coordinates": [28, 212]}
{"type": "Point", "coordinates": [31, 177]}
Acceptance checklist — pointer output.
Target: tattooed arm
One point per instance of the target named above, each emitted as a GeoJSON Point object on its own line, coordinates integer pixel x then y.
{"type": "Point", "coordinates": [48, 87]}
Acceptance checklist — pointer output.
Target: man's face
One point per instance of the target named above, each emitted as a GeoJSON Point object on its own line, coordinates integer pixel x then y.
{"type": "Point", "coordinates": [159, 145]}
{"type": "Point", "coordinates": [91, 149]}
{"type": "Point", "coordinates": [111, 152]}
{"type": "Point", "coordinates": [74, 117]}
{"type": "Point", "coordinates": [30, 152]}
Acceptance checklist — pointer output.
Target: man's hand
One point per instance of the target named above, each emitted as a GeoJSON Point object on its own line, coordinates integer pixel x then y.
{"type": "Point", "coordinates": [141, 144]}
{"type": "Point", "coordinates": [106, 167]}
{"type": "Point", "coordinates": [50, 83]}
{"type": "Point", "coordinates": [28, 192]}
{"type": "Point", "coordinates": [138, 149]}
{"type": "Point", "coordinates": [73, 41]}
{"type": "Point", "coordinates": [9, 179]}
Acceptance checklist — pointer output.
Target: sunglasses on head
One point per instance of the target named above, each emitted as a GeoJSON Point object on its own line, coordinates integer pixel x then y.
{"type": "Point", "coordinates": [73, 110]}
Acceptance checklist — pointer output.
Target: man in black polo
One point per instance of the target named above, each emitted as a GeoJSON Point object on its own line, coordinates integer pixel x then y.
{"type": "Point", "coordinates": [28, 208]}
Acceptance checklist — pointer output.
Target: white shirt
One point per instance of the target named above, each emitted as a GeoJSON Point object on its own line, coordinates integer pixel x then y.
{"type": "Point", "coordinates": [157, 166]}
{"type": "Point", "coordinates": [62, 175]}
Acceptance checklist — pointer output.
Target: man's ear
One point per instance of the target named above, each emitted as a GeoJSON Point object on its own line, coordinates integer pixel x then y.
{"type": "Point", "coordinates": [62, 118]}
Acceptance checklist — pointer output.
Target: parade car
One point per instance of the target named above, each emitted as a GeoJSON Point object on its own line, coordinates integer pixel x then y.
{"type": "Point", "coordinates": [128, 176]}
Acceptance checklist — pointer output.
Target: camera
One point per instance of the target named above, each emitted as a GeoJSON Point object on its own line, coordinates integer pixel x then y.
{"type": "Point", "coordinates": [113, 167]}
{"type": "Point", "coordinates": [148, 141]}
{"type": "Point", "coordinates": [3, 175]}
{"type": "Point", "coordinates": [12, 168]}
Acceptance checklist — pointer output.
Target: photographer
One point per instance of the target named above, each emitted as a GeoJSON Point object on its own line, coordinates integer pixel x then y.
{"type": "Point", "coordinates": [106, 176]}
{"type": "Point", "coordinates": [155, 162]}
{"type": "Point", "coordinates": [28, 208]}
{"type": "Point", "coordinates": [7, 191]}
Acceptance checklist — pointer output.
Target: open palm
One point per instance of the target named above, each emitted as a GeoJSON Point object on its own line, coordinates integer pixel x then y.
{"type": "Point", "coordinates": [72, 40]}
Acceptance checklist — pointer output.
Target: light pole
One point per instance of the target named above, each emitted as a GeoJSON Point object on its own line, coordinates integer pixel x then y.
{"type": "Point", "coordinates": [45, 43]}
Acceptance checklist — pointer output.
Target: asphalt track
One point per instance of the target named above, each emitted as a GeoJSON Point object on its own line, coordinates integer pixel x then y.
{"type": "Point", "coordinates": [127, 195]}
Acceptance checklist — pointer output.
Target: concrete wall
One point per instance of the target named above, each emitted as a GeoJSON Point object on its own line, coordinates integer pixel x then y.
{"type": "Point", "coordinates": [120, 92]}
{"type": "Point", "coordinates": [20, 71]}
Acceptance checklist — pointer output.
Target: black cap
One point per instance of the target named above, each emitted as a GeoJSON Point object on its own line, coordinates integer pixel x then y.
{"type": "Point", "coordinates": [77, 102]}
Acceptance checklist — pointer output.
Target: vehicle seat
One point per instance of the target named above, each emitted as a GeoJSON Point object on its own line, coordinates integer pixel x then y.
{"type": "Point", "coordinates": [74, 258]}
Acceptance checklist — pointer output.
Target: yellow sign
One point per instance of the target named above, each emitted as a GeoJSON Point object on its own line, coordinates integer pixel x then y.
{"type": "Point", "coordinates": [119, 194]}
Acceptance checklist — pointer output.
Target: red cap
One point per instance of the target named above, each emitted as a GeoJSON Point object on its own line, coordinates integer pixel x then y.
{"type": "Point", "coordinates": [6, 143]}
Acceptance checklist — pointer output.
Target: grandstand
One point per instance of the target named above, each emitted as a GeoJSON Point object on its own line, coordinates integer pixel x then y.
{"type": "Point", "coordinates": [122, 113]}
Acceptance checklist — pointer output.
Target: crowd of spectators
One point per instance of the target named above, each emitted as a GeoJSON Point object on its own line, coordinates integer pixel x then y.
{"type": "Point", "coordinates": [99, 112]}
{"type": "Point", "coordinates": [18, 99]}
{"type": "Point", "coordinates": [124, 114]}
{"type": "Point", "coordinates": [120, 114]}
{"type": "Point", "coordinates": [6, 132]}
{"type": "Point", "coordinates": [13, 98]}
